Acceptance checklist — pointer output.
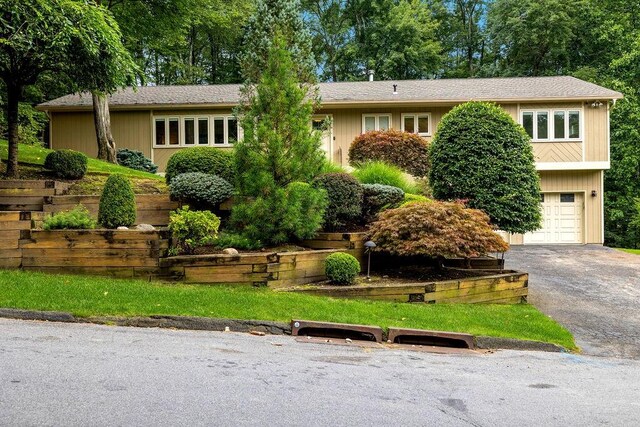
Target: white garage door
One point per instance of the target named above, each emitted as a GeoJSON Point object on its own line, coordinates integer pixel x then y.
{"type": "Point", "coordinates": [562, 219]}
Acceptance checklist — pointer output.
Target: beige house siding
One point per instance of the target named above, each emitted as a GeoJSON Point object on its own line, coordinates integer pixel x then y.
{"type": "Point", "coordinates": [557, 152]}
{"type": "Point", "coordinates": [597, 137]}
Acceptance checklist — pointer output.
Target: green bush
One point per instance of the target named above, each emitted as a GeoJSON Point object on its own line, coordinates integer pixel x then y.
{"type": "Point", "coordinates": [480, 154]}
{"type": "Point", "coordinates": [414, 198]}
{"type": "Point", "coordinates": [211, 160]}
{"type": "Point", "coordinates": [192, 229]}
{"type": "Point", "coordinates": [405, 150]}
{"type": "Point", "coordinates": [342, 268]}
{"type": "Point", "coordinates": [385, 174]}
{"type": "Point", "coordinates": [77, 218]}
{"type": "Point", "coordinates": [200, 190]}
{"type": "Point", "coordinates": [377, 197]}
{"type": "Point", "coordinates": [236, 241]}
{"type": "Point", "coordinates": [66, 164]}
{"type": "Point", "coordinates": [134, 159]}
{"type": "Point", "coordinates": [117, 203]}
{"type": "Point", "coordinates": [345, 199]}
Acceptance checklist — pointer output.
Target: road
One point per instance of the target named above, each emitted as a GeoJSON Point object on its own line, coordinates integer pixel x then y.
{"type": "Point", "coordinates": [78, 374]}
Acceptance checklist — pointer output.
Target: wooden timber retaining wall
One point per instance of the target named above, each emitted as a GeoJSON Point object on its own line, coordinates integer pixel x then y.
{"type": "Point", "coordinates": [12, 226]}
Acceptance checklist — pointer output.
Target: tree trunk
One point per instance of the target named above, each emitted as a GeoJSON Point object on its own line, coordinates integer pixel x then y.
{"type": "Point", "coordinates": [102, 121]}
{"type": "Point", "coordinates": [13, 98]}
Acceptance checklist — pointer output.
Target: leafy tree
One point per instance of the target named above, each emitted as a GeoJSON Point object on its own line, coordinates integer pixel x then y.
{"type": "Point", "coordinates": [481, 155]}
{"type": "Point", "coordinates": [466, 34]}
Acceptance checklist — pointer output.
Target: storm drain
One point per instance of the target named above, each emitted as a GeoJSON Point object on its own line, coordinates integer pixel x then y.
{"type": "Point", "coordinates": [431, 338]}
{"type": "Point", "coordinates": [336, 330]}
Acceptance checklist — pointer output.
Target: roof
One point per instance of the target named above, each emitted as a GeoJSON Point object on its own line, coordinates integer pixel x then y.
{"type": "Point", "coordinates": [511, 89]}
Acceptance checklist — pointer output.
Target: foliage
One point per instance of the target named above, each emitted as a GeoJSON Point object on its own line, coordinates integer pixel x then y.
{"type": "Point", "coordinates": [345, 199]}
{"type": "Point", "coordinates": [377, 197]}
{"type": "Point", "coordinates": [211, 160]}
{"type": "Point", "coordinates": [135, 160]}
{"type": "Point", "coordinates": [237, 241]}
{"type": "Point", "coordinates": [481, 155]}
{"type": "Point", "coordinates": [341, 268]}
{"type": "Point", "coordinates": [192, 229]}
{"type": "Point", "coordinates": [200, 190]}
{"type": "Point", "coordinates": [117, 203]}
{"type": "Point", "coordinates": [413, 198]}
{"type": "Point", "coordinates": [385, 174]}
{"type": "Point", "coordinates": [330, 167]}
{"type": "Point", "coordinates": [66, 164]}
{"type": "Point", "coordinates": [405, 150]}
{"type": "Point", "coordinates": [435, 229]}
{"type": "Point", "coordinates": [77, 218]}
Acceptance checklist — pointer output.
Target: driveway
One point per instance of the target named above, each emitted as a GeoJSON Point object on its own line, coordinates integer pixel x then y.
{"type": "Point", "coordinates": [594, 291]}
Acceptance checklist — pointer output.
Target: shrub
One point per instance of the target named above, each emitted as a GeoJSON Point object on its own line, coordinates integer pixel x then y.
{"type": "Point", "coordinates": [405, 150]}
{"type": "Point", "coordinates": [330, 167]}
{"type": "Point", "coordinates": [385, 174]}
{"type": "Point", "coordinates": [77, 218]}
{"type": "Point", "coordinates": [413, 198]}
{"type": "Point", "coordinates": [66, 164]}
{"type": "Point", "coordinates": [211, 160]}
{"type": "Point", "coordinates": [436, 229]}
{"type": "Point", "coordinates": [377, 197]}
{"type": "Point", "coordinates": [117, 203]}
{"type": "Point", "coordinates": [236, 241]}
{"type": "Point", "coordinates": [192, 229]}
{"type": "Point", "coordinates": [345, 199]}
{"type": "Point", "coordinates": [342, 268]}
{"type": "Point", "coordinates": [135, 160]}
{"type": "Point", "coordinates": [200, 190]}
{"type": "Point", "coordinates": [482, 155]}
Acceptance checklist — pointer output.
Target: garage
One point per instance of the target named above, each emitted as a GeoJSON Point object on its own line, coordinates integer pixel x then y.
{"type": "Point", "coordinates": [562, 219]}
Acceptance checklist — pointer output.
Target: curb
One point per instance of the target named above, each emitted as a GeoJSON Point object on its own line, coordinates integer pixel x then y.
{"type": "Point", "coordinates": [238, 325]}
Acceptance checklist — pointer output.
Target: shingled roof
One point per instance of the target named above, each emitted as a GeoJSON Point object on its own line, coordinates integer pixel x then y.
{"type": "Point", "coordinates": [377, 92]}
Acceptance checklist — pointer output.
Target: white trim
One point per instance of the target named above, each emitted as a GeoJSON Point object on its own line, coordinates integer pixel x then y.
{"type": "Point", "coordinates": [181, 129]}
{"type": "Point", "coordinates": [608, 143]}
{"type": "Point", "coordinates": [377, 116]}
{"type": "Point", "coordinates": [559, 166]}
{"type": "Point", "coordinates": [415, 118]}
{"type": "Point", "coordinates": [601, 196]}
{"type": "Point", "coordinates": [551, 123]}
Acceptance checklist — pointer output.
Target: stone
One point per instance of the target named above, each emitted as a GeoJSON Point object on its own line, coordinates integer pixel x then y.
{"type": "Point", "coordinates": [145, 227]}
{"type": "Point", "coordinates": [257, 333]}
{"type": "Point", "coordinates": [230, 251]}
{"type": "Point", "coordinates": [122, 227]}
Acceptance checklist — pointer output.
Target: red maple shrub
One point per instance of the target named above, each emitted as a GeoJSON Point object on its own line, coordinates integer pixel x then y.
{"type": "Point", "coordinates": [405, 150]}
{"type": "Point", "coordinates": [435, 229]}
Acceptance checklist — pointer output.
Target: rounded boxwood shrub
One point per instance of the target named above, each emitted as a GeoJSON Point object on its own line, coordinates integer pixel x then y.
{"type": "Point", "coordinates": [211, 160]}
{"type": "Point", "coordinates": [117, 203]}
{"type": "Point", "coordinates": [134, 159]}
{"type": "Point", "coordinates": [405, 150]}
{"type": "Point", "coordinates": [385, 174]}
{"type": "Point", "coordinates": [200, 190]}
{"type": "Point", "coordinates": [345, 195]}
{"type": "Point", "coordinates": [342, 268]}
{"type": "Point", "coordinates": [480, 154]}
{"type": "Point", "coordinates": [377, 197]}
{"type": "Point", "coordinates": [191, 229]}
{"type": "Point", "coordinates": [66, 164]}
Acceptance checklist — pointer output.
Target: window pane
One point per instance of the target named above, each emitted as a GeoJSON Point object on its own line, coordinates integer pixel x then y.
{"type": "Point", "coordinates": [543, 125]}
{"type": "Point", "coordinates": [189, 131]}
{"type": "Point", "coordinates": [218, 131]}
{"type": "Point", "coordinates": [527, 123]}
{"type": "Point", "coordinates": [423, 124]}
{"type": "Point", "coordinates": [409, 125]}
{"type": "Point", "coordinates": [369, 123]}
{"type": "Point", "coordinates": [233, 131]}
{"type": "Point", "coordinates": [317, 124]}
{"type": "Point", "coordinates": [160, 132]}
{"type": "Point", "coordinates": [384, 122]}
{"type": "Point", "coordinates": [558, 124]}
{"type": "Point", "coordinates": [567, 198]}
{"type": "Point", "coordinates": [542, 198]}
{"type": "Point", "coordinates": [574, 124]}
{"type": "Point", "coordinates": [203, 131]}
{"type": "Point", "coordinates": [173, 132]}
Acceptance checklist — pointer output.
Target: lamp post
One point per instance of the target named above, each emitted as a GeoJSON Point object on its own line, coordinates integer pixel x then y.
{"type": "Point", "coordinates": [368, 246]}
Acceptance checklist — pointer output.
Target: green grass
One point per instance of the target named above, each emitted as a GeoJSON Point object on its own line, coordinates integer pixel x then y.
{"type": "Point", "coordinates": [383, 173]}
{"type": "Point", "coordinates": [630, 251]}
{"type": "Point", "coordinates": [91, 296]}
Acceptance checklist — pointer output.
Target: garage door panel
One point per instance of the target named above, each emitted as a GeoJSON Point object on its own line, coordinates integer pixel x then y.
{"type": "Point", "coordinates": [563, 220]}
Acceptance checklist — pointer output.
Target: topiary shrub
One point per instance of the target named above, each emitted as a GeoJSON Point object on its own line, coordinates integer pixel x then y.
{"type": "Point", "coordinates": [345, 195]}
{"type": "Point", "coordinates": [435, 229]}
{"type": "Point", "coordinates": [192, 229]}
{"type": "Point", "coordinates": [200, 190]}
{"type": "Point", "coordinates": [405, 150]}
{"type": "Point", "coordinates": [385, 174]}
{"type": "Point", "coordinates": [480, 154]}
{"type": "Point", "coordinates": [117, 203]}
{"type": "Point", "coordinates": [211, 160]}
{"type": "Point", "coordinates": [341, 268]}
{"type": "Point", "coordinates": [377, 197]}
{"type": "Point", "coordinates": [66, 164]}
{"type": "Point", "coordinates": [77, 218]}
{"type": "Point", "coordinates": [134, 159]}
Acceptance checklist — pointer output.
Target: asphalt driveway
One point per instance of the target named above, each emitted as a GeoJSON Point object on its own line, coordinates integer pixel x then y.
{"type": "Point", "coordinates": [592, 290]}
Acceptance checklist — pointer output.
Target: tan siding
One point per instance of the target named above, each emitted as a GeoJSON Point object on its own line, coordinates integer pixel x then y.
{"type": "Point", "coordinates": [74, 131]}
{"type": "Point", "coordinates": [596, 149]}
{"type": "Point", "coordinates": [550, 106]}
{"type": "Point", "coordinates": [557, 152]}
{"type": "Point", "coordinates": [187, 112]}
{"type": "Point", "coordinates": [132, 130]}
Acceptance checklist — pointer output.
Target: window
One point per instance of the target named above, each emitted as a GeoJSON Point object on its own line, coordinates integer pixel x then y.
{"type": "Point", "coordinates": [189, 131]}
{"type": "Point", "coordinates": [203, 131]}
{"type": "Point", "coordinates": [541, 198]}
{"type": "Point", "coordinates": [376, 122]}
{"type": "Point", "coordinates": [567, 198]}
{"type": "Point", "coordinates": [416, 123]}
{"type": "Point", "coordinates": [553, 125]}
{"type": "Point", "coordinates": [225, 130]}
{"type": "Point", "coordinates": [161, 134]}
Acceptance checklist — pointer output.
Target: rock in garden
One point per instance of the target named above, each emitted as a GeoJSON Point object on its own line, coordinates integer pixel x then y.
{"type": "Point", "coordinates": [145, 227]}
{"type": "Point", "coordinates": [230, 251]}
{"type": "Point", "coordinates": [122, 227]}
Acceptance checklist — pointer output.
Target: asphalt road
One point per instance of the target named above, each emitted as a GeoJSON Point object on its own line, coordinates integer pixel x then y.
{"type": "Point", "coordinates": [78, 374]}
{"type": "Point", "coordinates": [592, 290]}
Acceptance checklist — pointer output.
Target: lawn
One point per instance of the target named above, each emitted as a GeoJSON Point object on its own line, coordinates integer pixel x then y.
{"type": "Point", "coordinates": [630, 251]}
{"type": "Point", "coordinates": [86, 296]}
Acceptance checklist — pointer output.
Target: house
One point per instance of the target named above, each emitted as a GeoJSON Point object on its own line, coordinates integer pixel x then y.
{"type": "Point", "coordinates": [567, 119]}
